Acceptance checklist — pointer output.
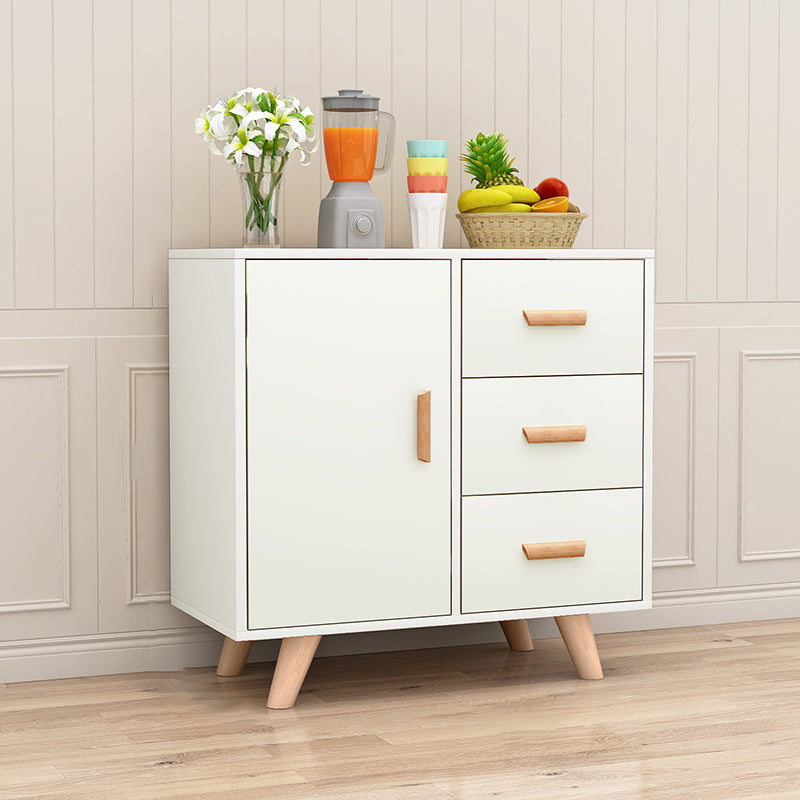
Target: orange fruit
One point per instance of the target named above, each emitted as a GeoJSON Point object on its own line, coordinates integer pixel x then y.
{"type": "Point", "coordinates": [555, 205]}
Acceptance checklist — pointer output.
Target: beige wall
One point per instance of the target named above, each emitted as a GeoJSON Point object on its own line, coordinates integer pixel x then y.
{"type": "Point", "coordinates": [675, 125]}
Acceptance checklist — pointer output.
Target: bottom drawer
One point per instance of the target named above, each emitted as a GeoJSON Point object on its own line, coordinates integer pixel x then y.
{"type": "Point", "coordinates": [497, 575]}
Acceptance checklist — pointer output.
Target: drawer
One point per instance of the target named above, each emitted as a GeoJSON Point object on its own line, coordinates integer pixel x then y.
{"type": "Point", "coordinates": [496, 457]}
{"type": "Point", "coordinates": [496, 574]}
{"type": "Point", "coordinates": [497, 339]}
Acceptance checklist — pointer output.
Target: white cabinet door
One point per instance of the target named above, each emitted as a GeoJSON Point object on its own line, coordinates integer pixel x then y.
{"type": "Point", "coordinates": [344, 522]}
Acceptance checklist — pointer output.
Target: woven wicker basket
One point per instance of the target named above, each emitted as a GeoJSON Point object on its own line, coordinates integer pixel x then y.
{"type": "Point", "coordinates": [534, 229]}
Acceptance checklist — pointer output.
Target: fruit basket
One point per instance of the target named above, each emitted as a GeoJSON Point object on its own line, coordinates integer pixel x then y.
{"type": "Point", "coordinates": [521, 230]}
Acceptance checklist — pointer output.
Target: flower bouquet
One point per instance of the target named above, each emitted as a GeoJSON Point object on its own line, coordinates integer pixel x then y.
{"type": "Point", "coordinates": [258, 130]}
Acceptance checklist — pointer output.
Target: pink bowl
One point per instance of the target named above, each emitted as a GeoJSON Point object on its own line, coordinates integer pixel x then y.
{"type": "Point", "coordinates": [427, 183]}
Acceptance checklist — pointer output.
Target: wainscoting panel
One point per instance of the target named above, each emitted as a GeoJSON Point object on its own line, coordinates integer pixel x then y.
{"type": "Point", "coordinates": [684, 459]}
{"type": "Point", "coordinates": [133, 481]}
{"type": "Point", "coordinates": [759, 441]}
{"type": "Point", "coordinates": [47, 493]}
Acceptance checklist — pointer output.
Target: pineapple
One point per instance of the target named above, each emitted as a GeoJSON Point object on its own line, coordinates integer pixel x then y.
{"type": "Point", "coordinates": [487, 161]}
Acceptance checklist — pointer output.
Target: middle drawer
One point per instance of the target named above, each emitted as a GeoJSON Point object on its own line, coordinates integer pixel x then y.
{"type": "Point", "coordinates": [497, 458]}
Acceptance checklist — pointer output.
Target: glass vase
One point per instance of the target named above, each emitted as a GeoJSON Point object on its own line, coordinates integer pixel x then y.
{"type": "Point", "coordinates": [260, 183]}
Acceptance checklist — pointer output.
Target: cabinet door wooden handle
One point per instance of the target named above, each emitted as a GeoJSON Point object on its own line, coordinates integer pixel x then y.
{"type": "Point", "coordinates": [555, 316]}
{"type": "Point", "coordinates": [555, 433]}
{"type": "Point", "coordinates": [538, 550]}
{"type": "Point", "coordinates": [424, 426]}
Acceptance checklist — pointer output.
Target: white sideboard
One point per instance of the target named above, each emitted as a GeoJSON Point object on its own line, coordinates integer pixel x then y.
{"type": "Point", "coordinates": [376, 439]}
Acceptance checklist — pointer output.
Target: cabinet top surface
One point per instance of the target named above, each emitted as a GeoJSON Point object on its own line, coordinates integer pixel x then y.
{"type": "Point", "coordinates": [254, 253]}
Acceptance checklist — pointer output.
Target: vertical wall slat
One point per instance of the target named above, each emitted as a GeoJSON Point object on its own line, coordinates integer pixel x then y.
{"type": "Point", "coordinates": [228, 72]}
{"type": "Point", "coordinates": [477, 72]}
{"type": "Point", "coordinates": [732, 191]}
{"type": "Point", "coordinates": [302, 184]}
{"type": "Point", "coordinates": [511, 80]}
{"type": "Point", "coordinates": [265, 60]}
{"type": "Point", "coordinates": [701, 199]}
{"type": "Point", "coordinates": [671, 152]}
{"type": "Point", "coordinates": [337, 66]}
{"type": "Point", "coordinates": [33, 154]}
{"type": "Point", "coordinates": [409, 77]}
{"type": "Point", "coordinates": [74, 184]}
{"type": "Point", "coordinates": [374, 75]}
{"type": "Point", "coordinates": [544, 91]}
{"type": "Point", "coordinates": [338, 46]}
{"type": "Point", "coordinates": [113, 121]}
{"type": "Point", "coordinates": [151, 159]}
{"type": "Point", "coordinates": [190, 156]}
{"type": "Point", "coordinates": [788, 281]}
{"type": "Point", "coordinates": [6, 160]}
{"type": "Point", "coordinates": [443, 110]}
{"type": "Point", "coordinates": [762, 159]}
{"type": "Point", "coordinates": [640, 124]}
{"type": "Point", "coordinates": [609, 125]}
{"type": "Point", "coordinates": [577, 107]}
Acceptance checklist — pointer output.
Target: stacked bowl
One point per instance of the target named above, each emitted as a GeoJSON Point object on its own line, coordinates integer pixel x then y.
{"type": "Point", "coordinates": [427, 191]}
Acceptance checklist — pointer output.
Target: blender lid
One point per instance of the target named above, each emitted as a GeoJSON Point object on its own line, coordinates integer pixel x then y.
{"type": "Point", "coordinates": [350, 100]}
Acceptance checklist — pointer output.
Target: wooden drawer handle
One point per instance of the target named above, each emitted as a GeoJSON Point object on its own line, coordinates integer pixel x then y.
{"type": "Point", "coordinates": [555, 316]}
{"type": "Point", "coordinates": [538, 550]}
{"type": "Point", "coordinates": [555, 433]}
{"type": "Point", "coordinates": [424, 426]}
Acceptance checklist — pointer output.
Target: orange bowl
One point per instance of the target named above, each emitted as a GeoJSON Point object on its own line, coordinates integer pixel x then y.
{"type": "Point", "coordinates": [427, 183]}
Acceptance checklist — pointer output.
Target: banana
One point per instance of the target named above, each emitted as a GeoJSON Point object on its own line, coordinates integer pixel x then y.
{"type": "Point", "coordinates": [521, 194]}
{"type": "Point", "coordinates": [476, 198]}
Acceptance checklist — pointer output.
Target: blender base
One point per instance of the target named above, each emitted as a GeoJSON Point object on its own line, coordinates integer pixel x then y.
{"type": "Point", "coordinates": [350, 216]}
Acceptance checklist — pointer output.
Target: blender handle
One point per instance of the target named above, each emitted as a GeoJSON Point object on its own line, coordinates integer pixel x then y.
{"type": "Point", "coordinates": [388, 150]}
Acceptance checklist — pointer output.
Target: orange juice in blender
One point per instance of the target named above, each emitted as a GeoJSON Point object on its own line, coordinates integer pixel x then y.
{"type": "Point", "coordinates": [350, 152]}
{"type": "Point", "coordinates": [351, 215]}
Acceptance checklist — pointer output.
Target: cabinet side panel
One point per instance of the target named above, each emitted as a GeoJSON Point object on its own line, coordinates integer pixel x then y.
{"type": "Point", "coordinates": [203, 452]}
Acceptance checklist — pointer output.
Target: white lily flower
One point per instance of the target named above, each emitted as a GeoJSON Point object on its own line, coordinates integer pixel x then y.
{"type": "Point", "coordinates": [241, 144]}
{"type": "Point", "coordinates": [202, 126]}
{"type": "Point", "coordinates": [245, 129]}
{"type": "Point", "coordinates": [223, 126]}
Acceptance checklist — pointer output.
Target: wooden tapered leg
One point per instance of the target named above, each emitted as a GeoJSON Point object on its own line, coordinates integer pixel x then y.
{"type": "Point", "coordinates": [232, 658]}
{"type": "Point", "coordinates": [517, 633]}
{"type": "Point", "coordinates": [576, 631]}
{"type": "Point", "coordinates": [294, 659]}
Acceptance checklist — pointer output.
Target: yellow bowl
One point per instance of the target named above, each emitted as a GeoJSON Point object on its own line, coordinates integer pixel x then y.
{"type": "Point", "coordinates": [427, 166]}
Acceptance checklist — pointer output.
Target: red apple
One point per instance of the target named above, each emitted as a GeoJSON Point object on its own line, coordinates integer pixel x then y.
{"type": "Point", "coordinates": [552, 187]}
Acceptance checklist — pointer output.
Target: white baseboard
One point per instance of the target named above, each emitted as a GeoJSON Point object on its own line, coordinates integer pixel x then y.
{"type": "Point", "coordinates": [147, 651]}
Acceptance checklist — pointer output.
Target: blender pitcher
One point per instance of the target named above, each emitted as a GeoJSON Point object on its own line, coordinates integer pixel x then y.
{"type": "Point", "coordinates": [355, 135]}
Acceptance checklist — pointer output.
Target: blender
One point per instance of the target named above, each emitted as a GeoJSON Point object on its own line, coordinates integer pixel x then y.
{"type": "Point", "coordinates": [354, 132]}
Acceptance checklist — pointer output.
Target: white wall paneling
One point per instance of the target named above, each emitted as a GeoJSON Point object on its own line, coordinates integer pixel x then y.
{"type": "Point", "coordinates": [701, 170]}
{"type": "Point", "coordinates": [443, 111]}
{"type": "Point", "coordinates": [190, 92]}
{"type": "Point", "coordinates": [48, 573]}
{"type": "Point", "coordinates": [674, 124]}
{"type": "Point", "coordinates": [73, 187]}
{"type": "Point", "coordinates": [788, 281]}
{"type": "Point", "coordinates": [685, 459]}
{"type": "Point", "coordinates": [577, 109]}
{"type": "Point", "coordinates": [227, 73]}
{"type": "Point", "coordinates": [33, 132]}
{"type": "Point", "coordinates": [112, 116]}
{"type": "Point", "coordinates": [408, 103]}
{"type": "Point", "coordinates": [759, 440]}
{"type": "Point", "coordinates": [133, 484]}
{"type": "Point", "coordinates": [6, 159]}
{"type": "Point", "coordinates": [151, 43]}
{"type": "Point", "coordinates": [640, 123]}
{"type": "Point", "coordinates": [762, 144]}
{"type": "Point", "coordinates": [302, 59]}
{"type": "Point", "coordinates": [733, 190]}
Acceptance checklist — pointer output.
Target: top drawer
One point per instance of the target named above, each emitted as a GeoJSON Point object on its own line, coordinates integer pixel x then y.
{"type": "Point", "coordinates": [498, 341]}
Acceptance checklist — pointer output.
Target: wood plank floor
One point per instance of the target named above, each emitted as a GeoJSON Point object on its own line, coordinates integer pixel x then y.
{"type": "Point", "coordinates": [708, 712]}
